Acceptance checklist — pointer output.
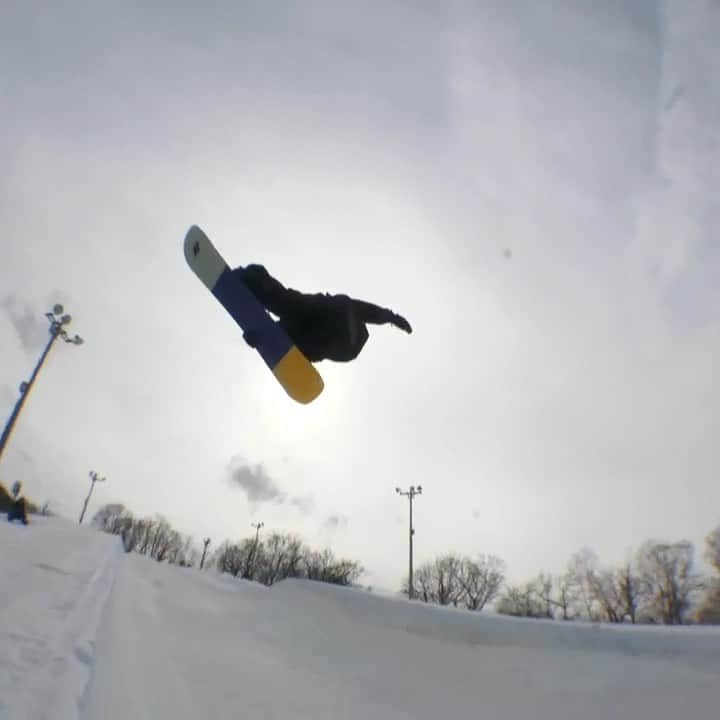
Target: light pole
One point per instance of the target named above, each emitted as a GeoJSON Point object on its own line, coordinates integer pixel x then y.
{"type": "Point", "coordinates": [206, 542]}
{"type": "Point", "coordinates": [58, 321]}
{"type": "Point", "coordinates": [410, 494]}
{"type": "Point", "coordinates": [93, 479]}
{"type": "Point", "coordinates": [257, 527]}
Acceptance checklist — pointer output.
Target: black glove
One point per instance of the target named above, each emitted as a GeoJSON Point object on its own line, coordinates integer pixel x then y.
{"type": "Point", "coordinates": [251, 338]}
{"type": "Point", "coordinates": [400, 322]}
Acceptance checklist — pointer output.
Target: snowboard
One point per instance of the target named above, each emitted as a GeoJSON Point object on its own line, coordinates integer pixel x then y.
{"type": "Point", "coordinates": [295, 373]}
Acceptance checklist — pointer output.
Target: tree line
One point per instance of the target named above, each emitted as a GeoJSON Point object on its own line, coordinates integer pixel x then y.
{"type": "Point", "coordinates": [267, 560]}
{"type": "Point", "coordinates": [658, 585]}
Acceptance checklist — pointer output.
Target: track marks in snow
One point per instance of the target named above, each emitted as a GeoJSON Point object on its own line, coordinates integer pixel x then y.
{"type": "Point", "coordinates": [56, 580]}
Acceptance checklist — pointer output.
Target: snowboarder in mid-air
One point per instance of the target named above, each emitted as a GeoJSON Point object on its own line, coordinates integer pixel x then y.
{"type": "Point", "coordinates": [322, 326]}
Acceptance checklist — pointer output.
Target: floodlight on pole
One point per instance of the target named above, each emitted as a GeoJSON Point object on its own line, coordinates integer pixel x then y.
{"type": "Point", "coordinates": [257, 527]}
{"type": "Point", "coordinates": [94, 478]}
{"type": "Point", "coordinates": [410, 495]}
{"type": "Point", "coordinates": [206, 542]}
{"type": "Point", "coordinates": [58, 320]}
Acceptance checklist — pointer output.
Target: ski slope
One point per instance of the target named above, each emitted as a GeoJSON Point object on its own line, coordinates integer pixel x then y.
{"type": "Point", "coordinates": [87, 631]}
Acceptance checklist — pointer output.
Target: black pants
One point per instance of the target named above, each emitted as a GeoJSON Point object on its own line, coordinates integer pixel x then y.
{"type": "Point", "coordinates": [17, 510]}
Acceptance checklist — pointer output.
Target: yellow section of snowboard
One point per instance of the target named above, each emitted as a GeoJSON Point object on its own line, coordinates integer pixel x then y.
{"type": "Point", "coordinates": [301, 380]}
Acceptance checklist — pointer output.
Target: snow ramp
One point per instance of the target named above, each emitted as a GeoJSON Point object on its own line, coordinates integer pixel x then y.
{"type": "Point", "coordinates": [178, 643]}
{"type": "Point", "coordinates": [91, 633]}
{"type": "Point", "coordinates": [55, 578]}
{"type": "Point", "coordinates": [696, 647]}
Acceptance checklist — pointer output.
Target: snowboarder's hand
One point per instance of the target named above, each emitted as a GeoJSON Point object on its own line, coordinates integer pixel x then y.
{"type": "Point", "coordinates": [251, 338]}
{"type": "Point", "coordinates": [401, 322]}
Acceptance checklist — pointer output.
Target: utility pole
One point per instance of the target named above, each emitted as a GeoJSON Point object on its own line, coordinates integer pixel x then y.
{"type": "Point", "coordinates": [257, 527]}
{"type": "Point", "coordinates": [206, 542]}
{"type": "Point", "coordinates": [93, 479]}
{"type": "Point", "coordinates": [58, 321]}
{"type": "Point", "coordinates": [410, 495]}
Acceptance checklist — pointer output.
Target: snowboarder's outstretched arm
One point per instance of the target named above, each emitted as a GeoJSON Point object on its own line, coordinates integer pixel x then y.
{"type": "Point", "coordinates": [370, 313]}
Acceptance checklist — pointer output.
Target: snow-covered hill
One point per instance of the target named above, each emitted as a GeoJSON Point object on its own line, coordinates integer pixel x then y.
{"type": "Point", "coordinates": [87, 631]}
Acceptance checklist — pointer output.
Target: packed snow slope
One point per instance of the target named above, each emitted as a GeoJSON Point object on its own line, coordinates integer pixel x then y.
{"type": "Point", "coordinates": [87, 631]}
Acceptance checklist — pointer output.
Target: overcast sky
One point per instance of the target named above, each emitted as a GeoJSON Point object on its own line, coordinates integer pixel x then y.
{"type": "Point", "coordinates": [562, 394]}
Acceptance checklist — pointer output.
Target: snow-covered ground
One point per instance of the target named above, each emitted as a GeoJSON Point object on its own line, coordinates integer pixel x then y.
{"type": "Point", "coordinates": [87, 631]}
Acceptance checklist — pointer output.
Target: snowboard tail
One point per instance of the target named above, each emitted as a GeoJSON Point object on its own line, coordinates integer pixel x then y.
{"type": "Point", "coordinates": [297, 375]}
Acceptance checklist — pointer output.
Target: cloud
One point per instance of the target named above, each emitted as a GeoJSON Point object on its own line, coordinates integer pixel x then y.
{"type": "Point", "coordinates": [260, 488]}
{"type": "Point", "coordinates": [28, 326]}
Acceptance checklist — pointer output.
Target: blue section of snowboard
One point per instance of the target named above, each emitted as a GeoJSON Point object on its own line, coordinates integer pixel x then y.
{"type": "Point", "coordinates": [272, 343]}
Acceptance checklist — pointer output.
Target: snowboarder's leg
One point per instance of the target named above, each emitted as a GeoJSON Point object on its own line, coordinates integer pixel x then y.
{"type": "Point", "coordinates": [21, 510]}
{"type": "Point", "coordinates": [18, 511]}
{"type": "Point", "coordinates": [267, 289]}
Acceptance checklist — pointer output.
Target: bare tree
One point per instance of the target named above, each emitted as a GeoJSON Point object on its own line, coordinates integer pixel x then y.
{"type": "Point", "coordinates": [544, 592]}
{"type": "Point", "coordinates": [709, 609]}
{"type": "Point", "coordinates": [346, 572]}
{"type": "Point", "coordinates": [600, 594]}
{"type": "Point", "coordinates": [325, 567]}
{"type": "Point", "coordinates": [154, 537]}
{"type": "Point", "coordinates": [606, 593]}
{"type": "Point", "coordinates": [279, 557]}
{"type": "Point", "coordinates": [581, 569]}
{"type": "Point", "coordinates": [712, 548]}
{"type": "Point", "coordinates": [139, 537]}
{"type": "Point", "coordinates": [447, 578]}
{"type": "Point", "coordinates": [564, 597]}
{"type": "Point", "coordinates": [163, 539]}
{"type": "Point", "coordinates": [231, 558]}
{"type": "Point", "coordinates": [438, 581]}
{"type": "Point", "coordinates": [181, 551]}
{"type": "Point", "coordinates": [423, 582]}
{"type": "Point", "coordinates": [552, 595]}
{"type": "Point", "coordinates": [112, 518]}
{"type": "Point", "coordinates": [630, 590]}
{"type": "Point", "coordinates": [521, 601]}
{"type": "Point", "coordinates": [667, 578]}
{"type": "Point", "coordinates": [480, 580]}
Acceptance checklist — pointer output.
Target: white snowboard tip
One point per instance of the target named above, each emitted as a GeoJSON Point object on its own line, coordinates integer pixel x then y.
{"type": "Point", "coordinates": [201, 255]}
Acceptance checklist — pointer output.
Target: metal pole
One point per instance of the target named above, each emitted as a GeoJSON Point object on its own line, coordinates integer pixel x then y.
{"type": "Point", "coordinates": [24, 392]}
{"type": "Point", "coordinates": [257, 532]}
{"type": "Point", "coordinates": [410, 494]}
{"type": "Point", "coordinates": [93, 479]}
{"type": "Point", "coordinates": [255, 546]}
{"type": "Point", "coordinates": [57, 330]}
{"type": "Point", "coordinates": [410, 572]}
{"type": "Point", "coordinates": [206, 542]}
